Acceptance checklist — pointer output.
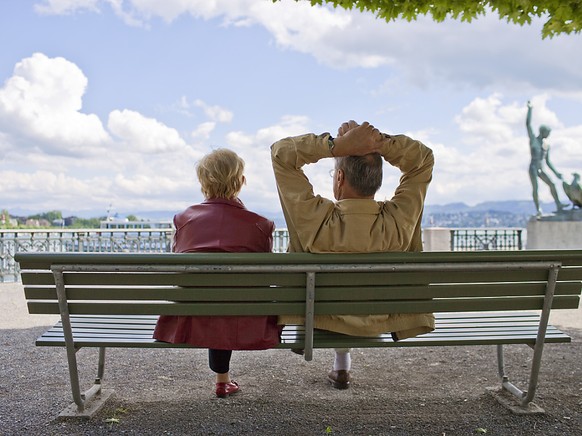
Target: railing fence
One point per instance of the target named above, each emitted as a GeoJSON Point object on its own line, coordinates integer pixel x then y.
{"type": "Point", "coordinates": [486, 239]}
{"type": "Point", "coordinates": [92, 241]}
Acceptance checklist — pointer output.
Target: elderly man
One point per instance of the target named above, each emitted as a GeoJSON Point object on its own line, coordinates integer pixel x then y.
{"type": "Point", "coordinates": [355, 222]}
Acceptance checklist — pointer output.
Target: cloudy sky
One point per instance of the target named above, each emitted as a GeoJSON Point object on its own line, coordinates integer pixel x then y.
{"type": "Point", "coordinates": [110, 103]}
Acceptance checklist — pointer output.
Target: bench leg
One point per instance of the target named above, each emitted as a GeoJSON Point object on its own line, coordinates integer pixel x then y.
{"type": "Point", "coordinates": [80, 406]}
{"type": "Point", "coordinates": [87, 403]}
{"type": "Point", "coordinates": [101, 365]}
{"type": "Point", "coordinates": [525, 397]}
{"type": "Point", "coordinates": [74, 378]}
{"type": "Point", "coordinates": [505, 383]}
{"type": "Point", "coordinates": [81, 398]}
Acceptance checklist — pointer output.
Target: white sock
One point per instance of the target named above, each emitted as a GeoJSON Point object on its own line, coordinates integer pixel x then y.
{"type": "Point", "coordinates": [342, 360]}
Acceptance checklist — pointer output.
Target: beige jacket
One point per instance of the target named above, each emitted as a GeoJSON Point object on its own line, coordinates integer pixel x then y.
{"type": "Point", "coordinates": [320, 225]}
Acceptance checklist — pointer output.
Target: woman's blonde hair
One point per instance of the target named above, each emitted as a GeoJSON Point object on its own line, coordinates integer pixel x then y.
{"type": "Point", "coordinates": [221, 174]}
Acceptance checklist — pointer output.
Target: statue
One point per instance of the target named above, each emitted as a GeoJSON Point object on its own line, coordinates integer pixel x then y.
{"type": "Point", "coordinates": [574, 191]}
{"type": "Point", "coordinates": [540, 152]}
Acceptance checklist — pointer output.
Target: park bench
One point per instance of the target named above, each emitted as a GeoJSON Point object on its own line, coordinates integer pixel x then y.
{"type": "Point", "coordinates": [479, 298]}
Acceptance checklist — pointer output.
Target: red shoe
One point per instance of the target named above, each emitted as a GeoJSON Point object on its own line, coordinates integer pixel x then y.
{"type": "Point", "coordinates": [223, 390]}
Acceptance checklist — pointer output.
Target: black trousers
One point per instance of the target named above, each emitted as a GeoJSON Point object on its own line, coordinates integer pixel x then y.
{"type": "Point", "coordinates": [219, 360]}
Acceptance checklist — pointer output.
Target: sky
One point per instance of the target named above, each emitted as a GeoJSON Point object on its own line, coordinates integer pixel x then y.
{"type": "Point", "coordinates": [107, 105]}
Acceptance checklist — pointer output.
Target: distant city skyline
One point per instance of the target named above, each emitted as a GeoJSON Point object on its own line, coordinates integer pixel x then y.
{"type": "Point", "coordinates": [112, 103]}
{"type": "Point", "coordinates": [509, 213]}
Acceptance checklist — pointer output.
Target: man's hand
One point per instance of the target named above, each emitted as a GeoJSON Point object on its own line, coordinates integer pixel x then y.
{"type": "Point", "coordinates": [357, 140]}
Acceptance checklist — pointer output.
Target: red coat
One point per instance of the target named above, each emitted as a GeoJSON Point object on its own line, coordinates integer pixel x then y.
{"type": "Point", "coordinates": [221, 225]}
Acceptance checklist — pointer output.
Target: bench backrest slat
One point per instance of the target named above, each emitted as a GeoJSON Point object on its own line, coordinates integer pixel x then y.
{"type": "Point", "coordinates": [298, 308]}
{"type": "Point", "coordinates": [327, 293]}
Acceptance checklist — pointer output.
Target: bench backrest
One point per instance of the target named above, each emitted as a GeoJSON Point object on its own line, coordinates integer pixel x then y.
{"type": "Point", "coordinates": [300, 283]}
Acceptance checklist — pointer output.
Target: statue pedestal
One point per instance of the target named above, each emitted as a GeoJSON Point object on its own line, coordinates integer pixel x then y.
{"type": "Point", "coordinates": [555, 231]}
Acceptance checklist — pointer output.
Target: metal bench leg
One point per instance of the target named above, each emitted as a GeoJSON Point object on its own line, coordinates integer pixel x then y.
{"type": "Point", "coordinates": [505, 383]}
{"type": "Point", "coordinates": [69, 342]}
{"type": "Point", "coordinates": [101, 365]}
{"type": "Point", "coordinates": [96, 388]}
{"type": "Point", "coordinates": [526, 397]}
{"type": "Point", "coordinates": [501, 364]}
{"type": "Point", "coordinates": [80, 398]}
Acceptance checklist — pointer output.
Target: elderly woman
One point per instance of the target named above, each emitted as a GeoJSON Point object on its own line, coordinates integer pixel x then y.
{"type": "Point", "coordinates": [221, 223]}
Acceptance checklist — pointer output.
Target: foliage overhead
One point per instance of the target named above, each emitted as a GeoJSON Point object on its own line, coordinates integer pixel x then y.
{"type": "Point", "coordinates": [562, 16]}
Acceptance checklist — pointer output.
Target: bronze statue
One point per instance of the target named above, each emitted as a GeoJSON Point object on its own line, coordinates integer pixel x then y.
{"type": "Point", "coordinates": [574, 191]}
{"type": "Point", "coordinates": [540, 152]}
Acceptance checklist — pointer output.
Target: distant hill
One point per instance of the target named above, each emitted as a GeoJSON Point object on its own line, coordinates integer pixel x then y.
{"type": "Point", "coordinates": [510, 213]}
{"type": "Point", "coordinates": [513, 206]}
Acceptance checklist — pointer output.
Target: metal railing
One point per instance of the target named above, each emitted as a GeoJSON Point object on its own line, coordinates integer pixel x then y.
{"type": "Point", "coordinates": [92, 241]}
{"type": "Point", "coordinates": [486, 239]}
{"type": "Point", "coordinates": [81, 240]}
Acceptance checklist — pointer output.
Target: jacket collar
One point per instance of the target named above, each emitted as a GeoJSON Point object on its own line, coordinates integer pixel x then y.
{"type": "Point", "coordinates": [358, 206]}
{"type": "Point", "coordinates": [235, 202]}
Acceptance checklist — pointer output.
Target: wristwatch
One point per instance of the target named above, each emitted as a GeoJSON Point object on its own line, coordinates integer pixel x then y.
{"type": "Point", "coordinates": [330, 144]}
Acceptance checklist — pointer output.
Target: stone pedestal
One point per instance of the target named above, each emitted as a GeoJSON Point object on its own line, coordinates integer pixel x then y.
{"type": "Point", "coordinates": [436, 239]}
{"type": "Point", "coordinates": [555, 232]}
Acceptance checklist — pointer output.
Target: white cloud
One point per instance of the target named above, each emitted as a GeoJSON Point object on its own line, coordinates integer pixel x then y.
{"type": "Point", "coordinates": [40, 106]}
{"type": "Point", "coordinates": [215, 112]}
{"type": "Point", "coordinates": [144, 134]}
{"type": "Point", "coordinates": [204, 130]}
{"type": "Point", "coordinates": [63, 7]}
{"type": "Point", "coordinates": [45, 190]}
{"type": "Point", "coordinates": [486, 121]}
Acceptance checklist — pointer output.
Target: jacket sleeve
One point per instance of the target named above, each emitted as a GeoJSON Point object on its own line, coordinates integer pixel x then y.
{"type": "Point", "coordinates": [416, 162]}
{"type": "Point", "coordinates": [301, 207]}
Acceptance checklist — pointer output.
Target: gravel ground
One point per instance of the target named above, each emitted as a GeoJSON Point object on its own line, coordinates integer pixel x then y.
{"type": "Point", "coordinates": [416, 391]}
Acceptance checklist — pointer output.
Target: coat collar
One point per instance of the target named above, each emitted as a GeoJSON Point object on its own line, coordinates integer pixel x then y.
{"type": "Point", "coordinates": [235, 202]}
{"type": "Point", "coordinates": [358, 206]}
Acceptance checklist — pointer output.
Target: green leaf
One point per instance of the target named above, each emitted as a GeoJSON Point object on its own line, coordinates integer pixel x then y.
{"type": "Point", "coordinates": [562, 17]}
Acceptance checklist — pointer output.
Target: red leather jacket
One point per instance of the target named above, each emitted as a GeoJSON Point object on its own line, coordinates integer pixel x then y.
{"type": "Point", "coordinates": [221, 225]}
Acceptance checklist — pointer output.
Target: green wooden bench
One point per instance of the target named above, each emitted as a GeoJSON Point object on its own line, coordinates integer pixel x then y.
{"type": "Point", "coordinates": [479, 298]}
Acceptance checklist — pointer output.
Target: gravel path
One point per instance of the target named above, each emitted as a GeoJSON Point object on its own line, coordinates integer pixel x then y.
{"type": "Point", "coordinates": [416, 391]}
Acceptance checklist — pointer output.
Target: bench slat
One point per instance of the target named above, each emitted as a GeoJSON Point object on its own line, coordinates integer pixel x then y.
{"type": "Point", "coordinates": [220, 279]}
{"type": "Point", "coordinates": [171, 293]}
{"type": "Point", "coordinates": [167, 279]}
{"type": "Point", "coordinates": [298, 308]}
{"type": "Point", "coordinates": [40, 260]}
{"type": "Point", "coordinates": [256, 293]}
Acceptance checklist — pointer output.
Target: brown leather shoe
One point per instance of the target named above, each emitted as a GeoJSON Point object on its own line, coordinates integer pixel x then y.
{"type": "Point", "coordinates": [339, 379]}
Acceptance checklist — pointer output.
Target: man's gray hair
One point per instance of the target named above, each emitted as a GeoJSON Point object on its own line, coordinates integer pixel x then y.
{"type": "Point", "coordinates": [363, 173]}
